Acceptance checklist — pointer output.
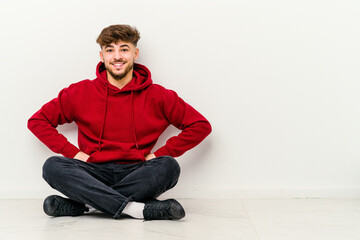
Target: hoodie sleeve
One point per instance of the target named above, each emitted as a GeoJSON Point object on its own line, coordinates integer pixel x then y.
{"type": "Point", "coordinates": [44, 122]}
{"type": "Point", "coordinates": [194, 126]}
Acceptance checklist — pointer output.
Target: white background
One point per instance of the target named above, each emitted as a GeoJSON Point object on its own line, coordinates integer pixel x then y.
{"type": "Point", "coordinates": [278, 80]}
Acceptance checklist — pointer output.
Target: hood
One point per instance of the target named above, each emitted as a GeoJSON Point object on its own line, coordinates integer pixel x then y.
{"type": "Point", "coordinates": [141, 79]}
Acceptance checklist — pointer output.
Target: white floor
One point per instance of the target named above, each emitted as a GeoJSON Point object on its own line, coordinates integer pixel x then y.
{"type": "Point", "coordinates": [206, 219]}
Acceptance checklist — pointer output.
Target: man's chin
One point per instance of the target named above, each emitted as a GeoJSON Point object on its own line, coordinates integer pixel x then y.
{"type": "Point", "coordinates": [117, 77]}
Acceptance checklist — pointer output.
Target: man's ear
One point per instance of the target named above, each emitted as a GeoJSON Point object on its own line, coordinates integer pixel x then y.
{"type": "Point", "coordinates": [101, 56]}
{"type": "Point", "coordinates": [136, 53]}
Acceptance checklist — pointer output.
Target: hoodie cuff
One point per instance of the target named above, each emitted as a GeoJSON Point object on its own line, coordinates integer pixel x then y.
{"type": "Point", "coordinates": [162, 152]}
{"type": "Point", "coordinates": [69, 151]}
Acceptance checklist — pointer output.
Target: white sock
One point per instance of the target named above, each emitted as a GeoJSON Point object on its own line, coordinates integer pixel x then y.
{"type": "Point", "coordinates": [134, 209]}
{"type": "Point", "coordinates": [91, 209]}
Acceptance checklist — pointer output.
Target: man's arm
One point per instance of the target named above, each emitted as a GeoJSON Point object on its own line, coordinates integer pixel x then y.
{"type": "Point", "coordinates": [44, 122]}
{"type": "Point", "coordinates": [194, 126]}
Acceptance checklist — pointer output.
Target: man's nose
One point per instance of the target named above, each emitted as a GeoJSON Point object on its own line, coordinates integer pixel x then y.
{"type": "Point", "coordinates": [118, 55]}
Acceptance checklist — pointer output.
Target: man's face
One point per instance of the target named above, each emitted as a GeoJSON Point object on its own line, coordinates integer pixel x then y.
{"type": "Point", "coordinates": [119, 58]}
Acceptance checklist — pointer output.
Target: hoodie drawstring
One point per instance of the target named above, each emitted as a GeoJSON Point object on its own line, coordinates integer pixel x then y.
{"type": "Point", "coordinates": [103, 124]}
{"type": "Point", "coordinates": [133, 119]}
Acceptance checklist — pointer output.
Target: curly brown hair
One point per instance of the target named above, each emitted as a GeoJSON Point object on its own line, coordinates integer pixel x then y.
{"type": "Point", "coordinates": [120, 32]}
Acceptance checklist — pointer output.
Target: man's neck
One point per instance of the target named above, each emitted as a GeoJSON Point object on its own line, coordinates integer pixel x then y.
{"type": "Point", "coordinates": [122, 82]}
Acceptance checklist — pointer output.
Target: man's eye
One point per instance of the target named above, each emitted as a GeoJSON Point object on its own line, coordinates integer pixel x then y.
{"type": "Point", "coordinates": [109, 50]}
{"type": "Point", "coordinates": [124, 50]}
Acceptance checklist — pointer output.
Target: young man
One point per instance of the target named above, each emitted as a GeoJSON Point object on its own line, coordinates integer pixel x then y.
{"type": "Point", "coordinates": [120, 116]}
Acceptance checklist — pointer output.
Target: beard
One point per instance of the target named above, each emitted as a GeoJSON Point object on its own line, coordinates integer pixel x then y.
{"type": "Point", "coordinates": [120, 76]}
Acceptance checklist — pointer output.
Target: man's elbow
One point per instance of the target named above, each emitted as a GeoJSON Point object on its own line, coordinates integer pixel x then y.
{"type": "Point", "coordinates": [207, 128]}
{"type": "Point", "coordinates": [31, 124]}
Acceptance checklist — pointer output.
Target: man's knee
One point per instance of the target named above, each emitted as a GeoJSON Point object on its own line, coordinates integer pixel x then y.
{"type": "Point", "coordinates": [171, 164]}
{"type": "Point", "coordinates": [52, 167]}
{"type": "Point", "coordinates": [170, 168]}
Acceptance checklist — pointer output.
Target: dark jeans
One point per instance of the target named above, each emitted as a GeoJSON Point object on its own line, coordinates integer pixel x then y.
{"type": "Point", "coordinates": [108, 187]}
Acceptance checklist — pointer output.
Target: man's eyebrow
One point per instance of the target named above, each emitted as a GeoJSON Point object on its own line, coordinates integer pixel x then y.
{"type": "Point", "coordinates": [111, 46]}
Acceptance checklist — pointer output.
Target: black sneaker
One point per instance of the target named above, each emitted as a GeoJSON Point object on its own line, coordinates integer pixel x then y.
{"type": "Point", "coordinates": [163, 210]}
{"type": "Point", "coordinates": [58, 206]}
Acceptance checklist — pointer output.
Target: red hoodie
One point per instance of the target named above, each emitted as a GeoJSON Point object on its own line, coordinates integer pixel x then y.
{"type": "Point", "coordinates": [119, 125]}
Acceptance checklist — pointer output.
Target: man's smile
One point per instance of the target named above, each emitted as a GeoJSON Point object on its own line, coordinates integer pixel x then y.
{"type": "Point", "coordinates": [118, 66]}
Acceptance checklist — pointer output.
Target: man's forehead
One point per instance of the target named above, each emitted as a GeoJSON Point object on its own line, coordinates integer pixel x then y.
{"type": "Point", "coordinates": [119, 44]}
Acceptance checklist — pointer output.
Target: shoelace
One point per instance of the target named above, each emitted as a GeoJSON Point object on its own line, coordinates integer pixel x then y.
{"type": "Point", "coordinates": [158, 212]}
{"type": "Point", "coordinates": [70, 208]}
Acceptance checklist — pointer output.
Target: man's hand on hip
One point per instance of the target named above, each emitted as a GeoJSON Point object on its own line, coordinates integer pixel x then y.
{"type": "Point", "coordinates": [150, 156]}
{"type": "Point", "coordinates": [81, 156]}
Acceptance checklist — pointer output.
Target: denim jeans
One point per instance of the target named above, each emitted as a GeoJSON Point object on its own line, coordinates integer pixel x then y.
{"type": "Point", "coordinates": [108, 187]}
